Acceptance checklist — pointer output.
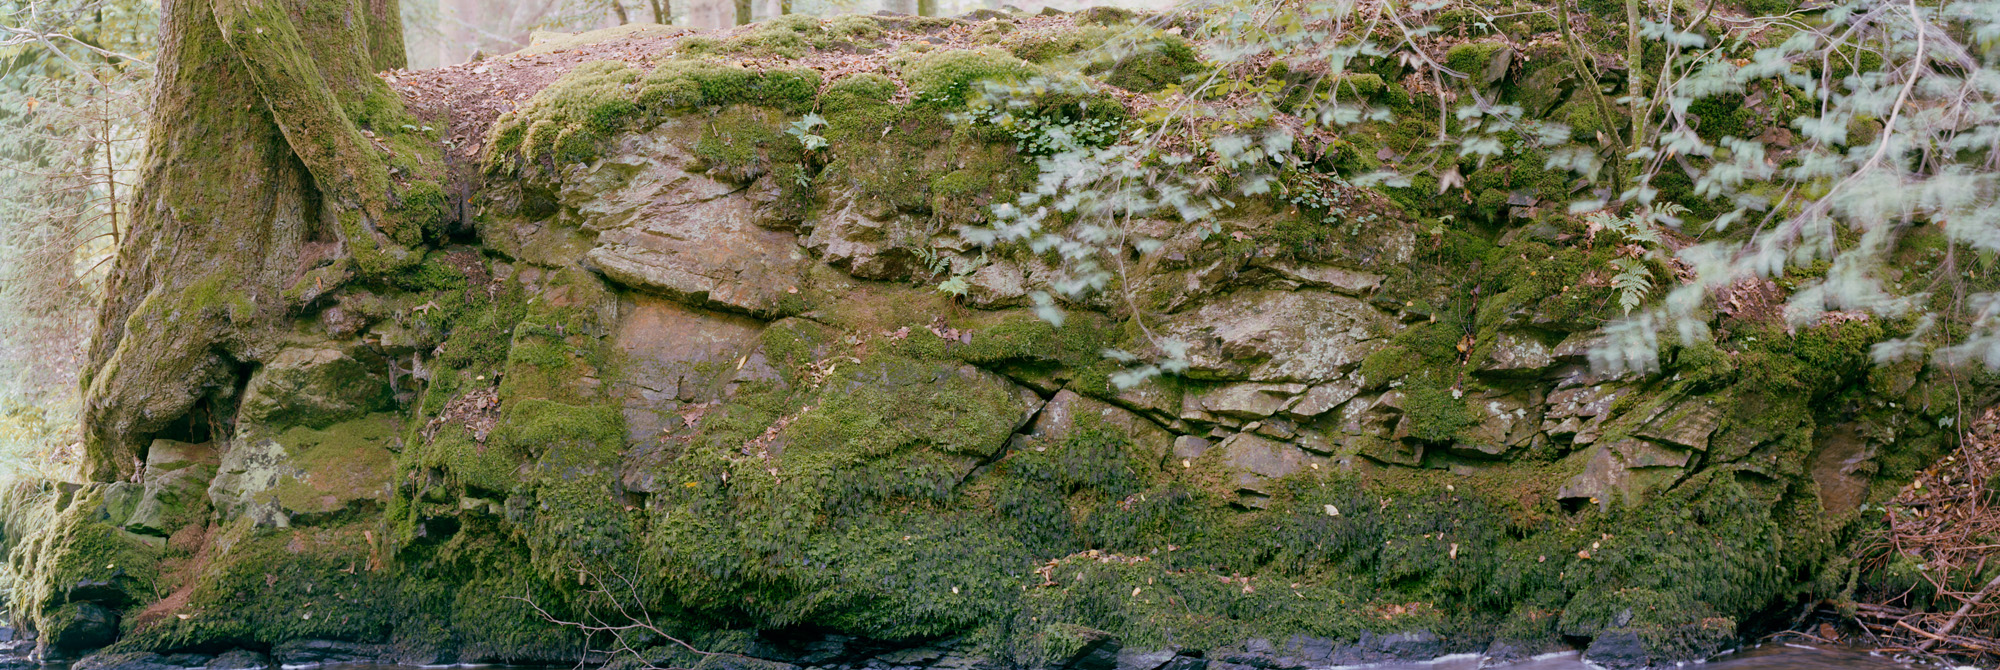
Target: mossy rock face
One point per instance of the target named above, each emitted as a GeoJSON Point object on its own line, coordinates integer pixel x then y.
{"type": "Point", "coordinates": [719, 333]}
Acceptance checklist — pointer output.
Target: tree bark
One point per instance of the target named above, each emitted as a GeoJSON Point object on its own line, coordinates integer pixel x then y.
{"type": "Point", "coordinates": [260, 194]}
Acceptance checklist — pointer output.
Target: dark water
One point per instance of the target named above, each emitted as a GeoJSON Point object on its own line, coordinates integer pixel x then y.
{"type": "Point", "coordinates": [1762, 657]}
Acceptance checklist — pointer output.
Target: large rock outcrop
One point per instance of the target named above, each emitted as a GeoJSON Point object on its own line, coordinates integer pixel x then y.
{"type": "Point", "coordinates": [689, 366]}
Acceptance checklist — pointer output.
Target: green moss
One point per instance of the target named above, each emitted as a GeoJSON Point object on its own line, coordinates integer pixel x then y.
{"type": "Point", "coordinates": [479, 332]}
{"type": "Point", "coordinates": [1722, 116]}
{"type": "Point", "coordinates": [1046, 47]}
{"type": "Point", "coordinates": [684, 85]}
{"type": "Point", "coordinates": [1459, 22]}
{"type": "Point", "coordinates": [1154, 65]}
{"type": "Point", "coordinates": [854, 28]}
{"type": "Point", "coordinates": [257, 587]}
{"type": "Point", "coordinates": [343, 464]}
{"type": "Point", "coordinates": [784, 37]}
{"type": "Point", "coordinates": [433, 273]}
{"type": "Point", "coordinates": [423, 208]}
{"type": "Point", "coordinates": [1022, 341]}
{"type": "Point", "coordinates": [1744, 545]}
{"type": "Point", "coordinates": [213, 296]}
{"type": "Point", "coordinates": [571, 119]}
{"type": "Point", "coordinates": [742, 143]}
{"type": "Point", "coordinates": [945, 79]}
{"type": "Point", "coordinates": [890, 158]}
{"type": "Point", "coordinates": [77, 554]}
{"type": "Point", "coordinates": [1472, 57]}
{"type": "Point", "coordinates": [568, 119]}
{"type": "Point", "coordinates": [1580, 113]}
{"type": "Point", "coordinates": [858, 91]}
{"type": "Point", "coordinates": [1433, 414]}
{"type": "Point", "coordinates": [1364, 85]}
{"type": "Point", "coordinates": [1104, 16]}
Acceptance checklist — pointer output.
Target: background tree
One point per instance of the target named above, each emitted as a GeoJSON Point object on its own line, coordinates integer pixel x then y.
{"type": "Point", "coordinates": [72, 82]}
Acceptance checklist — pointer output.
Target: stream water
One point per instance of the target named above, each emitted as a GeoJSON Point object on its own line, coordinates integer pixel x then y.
{"type": "Point", "coordinates": [1762, 657]}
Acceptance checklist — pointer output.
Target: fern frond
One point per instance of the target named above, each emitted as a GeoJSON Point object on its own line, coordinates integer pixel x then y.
{"type": "Point", "coordinates": [1633, 282]}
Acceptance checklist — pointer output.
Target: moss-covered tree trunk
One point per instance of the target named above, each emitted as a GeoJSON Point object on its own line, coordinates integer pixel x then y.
{"type": "Point", "coordinates": [260, 193]}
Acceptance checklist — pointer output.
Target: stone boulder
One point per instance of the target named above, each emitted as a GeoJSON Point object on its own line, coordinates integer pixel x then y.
{"type": "Point", "coordinates": [240, 659]}
{"type": "Point", "coordinates": [303, 475]}
{"type": "Point", "coordinates": [1340, 280]}
{"type": "Point", "coordinates": [1254, 461]}
{"type": "Point", "coordinates": [316, 387]}
{"type": "Point", "coordinates": [1250, 401]}
{"type": "Point", "coordinates": [1627, 470]}
{"type": "Point", "coordinates": [1068, 412]}
{"type": "Point", "coordinates": [1576, 413]}
{"type": "Point", "coordinates": [1514, 355]}
{"type": "Point", "coordinates": [296, 653]}
{"type": "Point", "coordinates": [667, 229]}
{"type": "Point", "coordinates": [674, 355]}
{"type": "Point", "coordinates": [1279, 336]}
{"type": "Point", "coordinates": [176, 476]}
{"type": "Point", "coordinates": [886, 404]}
{"type": "Point", "coordinates": [76, 627]}
{"type": "Point", "coordinates": [997, 285]}
{"type": "Point", "coordinates": [1505, 422]}
{"type": "Point", "coordinates": [864, 241]}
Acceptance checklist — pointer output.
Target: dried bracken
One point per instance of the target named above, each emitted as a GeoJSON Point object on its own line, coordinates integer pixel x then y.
{"type": "Point", "coordinates": [1945, 526]}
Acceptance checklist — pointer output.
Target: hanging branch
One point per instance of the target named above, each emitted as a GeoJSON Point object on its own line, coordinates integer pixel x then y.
{"type": "Point", "coordinates": [626, 621]}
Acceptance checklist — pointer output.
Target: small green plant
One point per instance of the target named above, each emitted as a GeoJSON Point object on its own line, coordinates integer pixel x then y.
{"type": "Point", "coordinates": [803, 130]}
{"type": "Point", "coordinates": [1047, 132]}
{"type": "Point", "coordinates": [956, 283]}
{"type": "Point", "coordinates": [1634, 281]}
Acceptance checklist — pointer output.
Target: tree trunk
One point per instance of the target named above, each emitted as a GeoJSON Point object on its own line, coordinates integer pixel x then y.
{"type": "Point", "coordinates": [259, 195]}
{"type": "Point", "coordinates": [711, 14]}
{"type": "Point", "coordinates": [744, 8]}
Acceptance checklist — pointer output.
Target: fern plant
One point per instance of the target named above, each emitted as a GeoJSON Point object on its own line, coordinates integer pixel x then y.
{"type": "Point", "coordinates": [1634, 282]}
{"type": "Point", "coordinates": [1643, 242]}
